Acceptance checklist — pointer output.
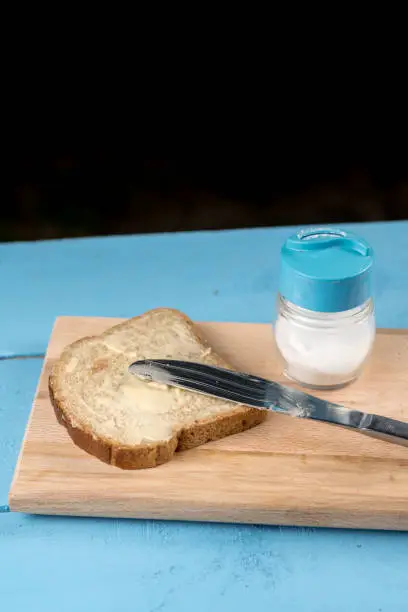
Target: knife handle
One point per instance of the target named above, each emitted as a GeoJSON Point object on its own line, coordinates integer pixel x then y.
{"type": "Point", "coordinates": [384, 428]}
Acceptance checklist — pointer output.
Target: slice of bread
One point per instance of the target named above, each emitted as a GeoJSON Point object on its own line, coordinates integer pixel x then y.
{"type": "Point", "coordinates": [130, 423]}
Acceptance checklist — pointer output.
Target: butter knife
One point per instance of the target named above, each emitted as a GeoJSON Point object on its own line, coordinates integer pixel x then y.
{"type": "Point", "coordinates": [257, 392]}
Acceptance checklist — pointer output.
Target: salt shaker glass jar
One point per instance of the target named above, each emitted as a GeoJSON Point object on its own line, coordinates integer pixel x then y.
{"type": "Point", "coordinates": [325, 325]}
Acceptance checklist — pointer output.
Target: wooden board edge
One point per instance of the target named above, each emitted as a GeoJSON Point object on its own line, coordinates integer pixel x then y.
{"type": "Point", "coordinates": [347, 518]}
{"type": "Point", "coordinates": [114, 320]}
{"type": "Point", "coordinates": [16, 473]}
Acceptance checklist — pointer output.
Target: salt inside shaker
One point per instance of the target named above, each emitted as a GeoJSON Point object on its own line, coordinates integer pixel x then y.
{"type": "Point", "coordinates": [325, 325]}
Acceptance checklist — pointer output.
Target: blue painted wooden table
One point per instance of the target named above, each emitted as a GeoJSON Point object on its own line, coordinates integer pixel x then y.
{"type": "Point", "coordinates": [106, 565]}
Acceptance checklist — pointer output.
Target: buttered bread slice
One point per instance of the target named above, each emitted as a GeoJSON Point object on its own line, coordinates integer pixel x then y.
{"type": "Point", "coordinates": [130, 423]}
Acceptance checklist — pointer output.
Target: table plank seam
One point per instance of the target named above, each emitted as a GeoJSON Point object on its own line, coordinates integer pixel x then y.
{"type": "Point", "coordinates": [22, 356]}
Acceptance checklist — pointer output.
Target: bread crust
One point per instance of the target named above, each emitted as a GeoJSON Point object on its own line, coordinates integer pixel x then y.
{"type": "Point", "coordinates": [148, 455]}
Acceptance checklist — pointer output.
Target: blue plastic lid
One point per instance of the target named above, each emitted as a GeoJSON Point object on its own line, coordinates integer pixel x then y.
{"type": "Point", "coordinates": [326, 270]}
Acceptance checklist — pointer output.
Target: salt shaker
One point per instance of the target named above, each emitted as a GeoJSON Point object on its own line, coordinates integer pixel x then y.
{"type": "Point", "coordinates": [325, 325]}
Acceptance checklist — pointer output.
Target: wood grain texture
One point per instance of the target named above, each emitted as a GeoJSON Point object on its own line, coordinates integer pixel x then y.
{"type": "Point", "coordinates": [286, 471]}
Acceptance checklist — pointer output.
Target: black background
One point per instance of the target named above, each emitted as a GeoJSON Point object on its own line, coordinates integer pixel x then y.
{"type": "Point", "coordinates": [167, 172]}
{"type": "Point", "coordinates": [132, 128]}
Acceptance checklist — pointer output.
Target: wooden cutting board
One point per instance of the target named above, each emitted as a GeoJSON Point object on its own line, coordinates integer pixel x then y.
{"type": "Point", "coordinates": [286, 471]}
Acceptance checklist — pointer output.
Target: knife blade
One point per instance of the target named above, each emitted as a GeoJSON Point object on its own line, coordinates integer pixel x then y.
{"type": "Point", "coordinates": [250, 390]}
